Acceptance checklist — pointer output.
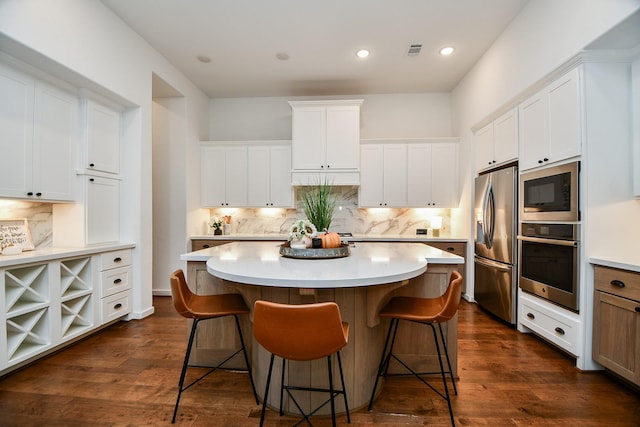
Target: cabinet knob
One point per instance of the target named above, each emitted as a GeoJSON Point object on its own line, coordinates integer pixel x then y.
{"type": "Point", "coordinates": [321, 166]}
{"type": "Point", "coordinates": [30, 193]}
{"type": "Point", "coordinates": [531, 315]}
{"type": "Point", "coordinates": [117, 306]}
{"type": "Point", "coordinates": [539, 161]}
{"type": "Point", "coordinates": [91, 179]}
{"type": "Point", "coordinates": [328, 166]}
{"type": "Point", "coordinates": [559, 330]}
{"type": "Point", "coordinates": [115, 282]}
{"type": "Point", "coordinates": [205, 246]}
{"type": "Point", "coordinates": [38, 194]}
{"type": "Point", "coordinates": [546, 159]}
{"type": "Point", "coordinates": [618, 283]}
{"type": "Point", "coordinates": [91, 165]}
{"type": "Point", "coordinates": [117, 259]}
{"type": "Point", "coordinates": [637, 309]}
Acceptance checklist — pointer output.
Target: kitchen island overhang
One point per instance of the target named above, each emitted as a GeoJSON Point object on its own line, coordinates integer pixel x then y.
{"type": "Point", "coordinates": [360, 283]}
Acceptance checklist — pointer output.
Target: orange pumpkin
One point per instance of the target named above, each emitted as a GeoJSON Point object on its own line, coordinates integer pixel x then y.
{"type": "Point", "coordinates": [330, 240]}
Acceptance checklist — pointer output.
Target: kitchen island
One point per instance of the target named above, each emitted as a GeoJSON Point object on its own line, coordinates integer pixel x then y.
{"type": "Point", "coordinates": [360, 283]}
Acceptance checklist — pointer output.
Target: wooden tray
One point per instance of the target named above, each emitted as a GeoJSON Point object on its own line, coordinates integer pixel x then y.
{"type": "Point", "coordinates": [315, 253]}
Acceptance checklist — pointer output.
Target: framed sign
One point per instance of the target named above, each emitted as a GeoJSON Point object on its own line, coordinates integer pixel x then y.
{"type": "Point", "coordinates": [15, 232]}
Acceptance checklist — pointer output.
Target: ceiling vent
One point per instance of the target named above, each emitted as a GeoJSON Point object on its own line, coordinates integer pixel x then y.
{"type": "Point", "coordinates": [414, 50]}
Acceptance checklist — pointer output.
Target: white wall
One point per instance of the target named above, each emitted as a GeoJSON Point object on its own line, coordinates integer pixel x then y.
{"type": "Point", "coordinates": [382, 116]}
{"type": "Point", "coordinates": [86, 39]}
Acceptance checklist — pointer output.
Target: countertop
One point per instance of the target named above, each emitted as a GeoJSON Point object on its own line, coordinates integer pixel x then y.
{"type": "Point", "coordinates": [370, 263]}
{"type": "Point", "coordinates": [631, 266]}
{"type": "Point", "coordinates": [47, 254]}
{"type": "Point", "coordinates": [356, 238]}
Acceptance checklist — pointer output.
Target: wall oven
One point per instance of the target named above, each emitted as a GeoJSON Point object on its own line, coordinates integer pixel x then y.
{"type": "Point", "coordinates": [550, 194]}
{"type": "Point", "coordinates": [549, 263]}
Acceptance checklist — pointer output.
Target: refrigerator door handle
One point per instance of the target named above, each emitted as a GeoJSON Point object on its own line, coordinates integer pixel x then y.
{"type": "Point", "coordinates": [496, 265]}
{"type": "Point", "coordinates": [488, 214]}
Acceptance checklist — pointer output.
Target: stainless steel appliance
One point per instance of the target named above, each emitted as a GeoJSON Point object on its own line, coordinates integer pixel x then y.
{"type": "Point", "coordinates": [550, 194]}
{"type": "Point", "coordinates": [549, 262]}
{"type": "Point", "coordinates": [495, 279]}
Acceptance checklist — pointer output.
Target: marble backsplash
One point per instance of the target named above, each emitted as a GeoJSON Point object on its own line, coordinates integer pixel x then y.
{"type": "Point", "coordinates": [348, 218]}
{"type": "Point", "coordinates": [38, 215]}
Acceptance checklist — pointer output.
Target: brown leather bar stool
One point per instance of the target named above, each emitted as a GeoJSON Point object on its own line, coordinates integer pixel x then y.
{"type": "Point", "coordinates": [204, 307]}
{"type": "Point", "coordinates": [428, 311]}
{"type": "Point", "coordinates": [301, 332]}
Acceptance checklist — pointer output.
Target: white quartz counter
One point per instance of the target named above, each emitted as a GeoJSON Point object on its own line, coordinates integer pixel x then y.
{"type": "Point", "coordinates": [620, 264]}
{"type": "Point", "coordinates": [259, 263]}
{"type": "Point", "coordinates": [47, 254]}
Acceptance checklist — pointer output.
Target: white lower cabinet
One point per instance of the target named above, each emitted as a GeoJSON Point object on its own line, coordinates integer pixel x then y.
{"type": "Point", "coordinates": [115, 285]}
{"type": "Point", "coordinates": [48, 304]}
{"type": "Point", "coordinates": [554, 324]}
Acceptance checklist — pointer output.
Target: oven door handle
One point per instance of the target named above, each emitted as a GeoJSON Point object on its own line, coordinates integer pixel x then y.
{"type": "Point", "coordinates": [558, 242]}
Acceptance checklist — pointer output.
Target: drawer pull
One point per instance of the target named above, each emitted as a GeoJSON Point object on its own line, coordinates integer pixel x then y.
{"type": "Point", "coordinates": [205, 246]}
{"type": "Point", "coordinates": [531, 316]}
{"type": "Point", "coordinates": [117, 259]}
{"type": "Point", "coordinates": [118, 306]}
{"type": "Point", "coordinates": [637, 309]}
{"type": "Point", "coordinates": [559, 330]}
{"type": "Point", "coordinates": [618, 283]}
{"type": "Point", "coordinates": [115, 282]}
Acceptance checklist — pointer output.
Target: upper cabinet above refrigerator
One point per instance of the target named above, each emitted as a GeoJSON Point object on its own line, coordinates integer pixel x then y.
{"type": "Point", "coordinates": [497, 142]}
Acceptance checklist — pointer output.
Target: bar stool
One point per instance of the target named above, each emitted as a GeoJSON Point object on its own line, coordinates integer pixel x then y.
{"type": "Point", "coordinates": [428, 311]}
{"type": "Point", "coordinates": [302, 332]}
{"type": "Point", "coordinates": [204, 307]}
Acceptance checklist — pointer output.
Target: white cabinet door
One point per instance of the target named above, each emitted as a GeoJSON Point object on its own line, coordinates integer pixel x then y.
{"type": "Point", "coordinates": [308, 136]}
{"type": "Point", "coordinates": [342, 137]}
{"type": "Point", "coordinates": [505, 137]}
{"type": "Point", "coordinates": [55, 138]}
{"type": "Point", "coordinates": [102, 210]}
{"type": "Point", "coordinates": [533, 131]}
{"type": "Point", "coordinates": [483, 141]}
{"type": "Point", "coordinates": [280, 176]}
{"type": "Point", "coordinates": [564, 117]}
{"type": "Point", "coordinates": [16, 132]}
{"type": "Point", "coordinates": [395, 175]}
{"type": "Point", "coordinates": [236, 176]}
{"type": "Point", "coordinates": [213, 176]}
{"type": "Point", "coordinates": [103, 138]}
{"type": "Point", "coordinates": [259, 178]}
{"type": "Point", "coordinates": [370, 193]}
{"type": "Point", "coordinates": [444, 175]}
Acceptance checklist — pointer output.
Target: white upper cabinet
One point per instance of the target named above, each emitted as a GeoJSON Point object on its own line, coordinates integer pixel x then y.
{"type": "Point", "coordinates": [326, 136]}
{"type": "Point", "coordinates": [497, 142]}
{"type": "Point", "coordinates": [432, 175]}
{"type": "Point", "coordinates": [550, 123]}
{"type": "Point", "coordinates": [102, 138]}
{"type": "Point", "coordinates": [383, 175]}
{"type": "Point", "coordinates": [269, 176]}
{"type": "Point", "coordinates": [38, 139]}
{"type": "Point", "coordinates": [224, 175]}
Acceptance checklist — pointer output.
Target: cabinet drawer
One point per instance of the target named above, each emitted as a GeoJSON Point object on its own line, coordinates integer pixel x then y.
{"type": "Point", "coordinates": [115, 259]}
{"type": "Point", "coordinates": [115, 280]}
{"type": "Point", "coordinates": [197, 244]}
{"type": "Point", "coordinates": [622, 283]}
{"type": "Point", "coordinates": [115, 306]}
{"type": "Point", "coordinates": [559, 329]}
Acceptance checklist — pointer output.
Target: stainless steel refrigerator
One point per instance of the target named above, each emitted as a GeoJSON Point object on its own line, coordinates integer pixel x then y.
{"type": "Point", "coordinates": [496, 272]}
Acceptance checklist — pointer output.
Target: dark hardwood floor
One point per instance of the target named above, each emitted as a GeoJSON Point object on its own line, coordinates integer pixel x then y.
{"type": "Point", "coordinates": [127, 375]}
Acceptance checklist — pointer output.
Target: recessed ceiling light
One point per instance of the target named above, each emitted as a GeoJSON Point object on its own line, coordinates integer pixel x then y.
{"type": "Point", "coordinates": [362, 53]}
{"type": "Point", "coordinates": [282, 56]}
{"type": "Point", "coordinates": [204, 59]}
{"type": "Point", "coordinates": [446, 51]}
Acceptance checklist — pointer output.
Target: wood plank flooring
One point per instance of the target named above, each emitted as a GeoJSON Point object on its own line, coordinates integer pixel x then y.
{"type": "Point", "coordinates": [127, 375]}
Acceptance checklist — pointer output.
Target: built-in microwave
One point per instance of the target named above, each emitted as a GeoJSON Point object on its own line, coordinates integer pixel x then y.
{"type": "Point", "coordinates": [550, 194]}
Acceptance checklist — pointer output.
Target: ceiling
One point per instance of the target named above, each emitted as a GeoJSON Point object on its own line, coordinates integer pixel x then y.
{"type": "Point", "coordinates": [243, 39]}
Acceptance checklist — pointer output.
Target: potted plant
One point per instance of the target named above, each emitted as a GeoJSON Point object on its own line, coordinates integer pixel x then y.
{"type": "Point", "coordinates": [319, 204]}
{"type": "Point", "coordinates": [216, 224]}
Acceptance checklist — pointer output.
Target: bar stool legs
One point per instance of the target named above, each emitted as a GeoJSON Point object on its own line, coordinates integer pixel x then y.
{"type": "Point", "coordinates": [185, 365]}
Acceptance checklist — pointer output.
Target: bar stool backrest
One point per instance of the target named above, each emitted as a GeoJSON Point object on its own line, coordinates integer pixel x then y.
{"type": "Point", "coordinates": [181, 294]}
{"type": "Point", "coordinates": [450, 300]}
{"type": "Point", "coordinates": [299, 332]}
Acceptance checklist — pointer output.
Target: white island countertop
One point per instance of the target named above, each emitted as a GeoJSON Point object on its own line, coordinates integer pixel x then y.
{"type": "Point", "coordinates": [260, 263]}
